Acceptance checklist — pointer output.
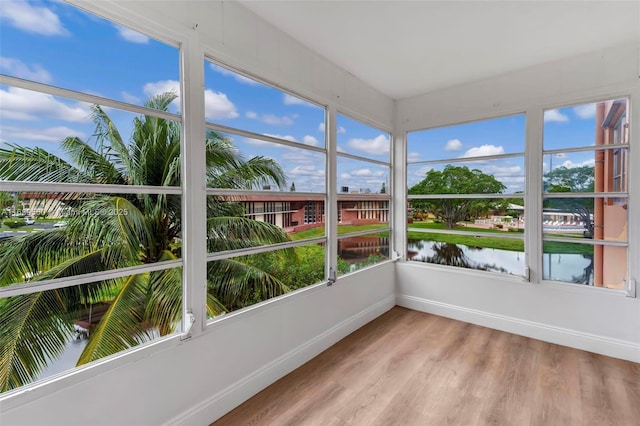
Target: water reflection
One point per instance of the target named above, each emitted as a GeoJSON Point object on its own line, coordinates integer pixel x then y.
{"type": "Point", "coordinates": [556, 267]}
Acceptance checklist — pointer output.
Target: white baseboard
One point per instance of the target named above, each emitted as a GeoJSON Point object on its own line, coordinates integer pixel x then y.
{"type": "Point", "coordinates": [561, 336]}
{"type": "Point", "coordinates": [226, 400]}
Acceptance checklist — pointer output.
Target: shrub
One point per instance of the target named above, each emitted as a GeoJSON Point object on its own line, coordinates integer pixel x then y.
{"type": "Point", "coordinates": [512, 229]}
{"type": "Point", "coordinates": [14, 223]}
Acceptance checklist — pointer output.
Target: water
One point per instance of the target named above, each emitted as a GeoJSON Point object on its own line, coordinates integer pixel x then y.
{"type": "Point", "coordinates": [572, 268]}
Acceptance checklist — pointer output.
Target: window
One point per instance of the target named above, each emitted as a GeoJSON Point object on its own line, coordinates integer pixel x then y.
{"type": "Point", "coordinates": [91, 244]}
{"type": "Point", "coordinates": [266, 185]}
{"type": "Point", "coordinates": [364, 170]}
{"type": "Point", "coordinates": [466, 195]}
{"type": "Point", "coordinates": [585, 217]}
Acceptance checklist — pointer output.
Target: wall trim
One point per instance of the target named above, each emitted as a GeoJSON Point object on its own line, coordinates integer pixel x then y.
{"type": "Point", "coordinates": [535, 330]}
{"type": "Point", "coordinates": [229, 398]}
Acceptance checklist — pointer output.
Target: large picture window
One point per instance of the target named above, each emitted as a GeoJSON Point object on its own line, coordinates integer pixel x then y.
{"type": "Point", "coordinates": [266, 186]}
{"type": "Point", "coordinates": [585, 198]}
{"type": "Point", "coordinates": [90, 192]}
{"type": "Point", "coordinates": [466, 195]}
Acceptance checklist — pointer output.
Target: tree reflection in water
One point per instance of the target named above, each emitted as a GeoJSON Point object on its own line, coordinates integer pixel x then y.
{"type": "Point", "coordinates": [456, 255]}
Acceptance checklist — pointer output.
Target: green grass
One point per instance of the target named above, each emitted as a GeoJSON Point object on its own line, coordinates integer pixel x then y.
{"type": "Point", "coordinates": [342, 229]}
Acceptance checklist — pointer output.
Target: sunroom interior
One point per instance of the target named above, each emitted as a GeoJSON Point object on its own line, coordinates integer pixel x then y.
{"type": "Point", "coordinates": [405, 73]}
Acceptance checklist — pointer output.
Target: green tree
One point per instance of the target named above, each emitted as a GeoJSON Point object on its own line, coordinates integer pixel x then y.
{"type": "Point", "coordinates": [292, 188]}
{"type": "Point", "coordinates": [457, 180]}
{"type": "Point", "coordinates": [383, 189]}
{"type": "Point", "coordinates": [574, 179]}
{"type": "Point", "coordinates": [115, 231]}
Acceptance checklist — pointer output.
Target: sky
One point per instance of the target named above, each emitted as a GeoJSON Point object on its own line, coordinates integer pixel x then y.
{"type": "Point", "coordinates": [54, 43]}
{"type": "Point", "coordinates": [564, 128]}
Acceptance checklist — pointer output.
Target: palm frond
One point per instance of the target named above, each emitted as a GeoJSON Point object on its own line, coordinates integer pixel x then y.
{"type": "Point", "coordinates": [121, 327]}
{"type": "Point", "coordinates": [37, 165]}
{"type": "Point", "coordinates": [231, 233]}
{"type": "Point", "coordinates": [236, 284]}
{"type": "Point", "coordinates": [164, 306]}
{"type": "Point", "coordinates": [34, 331]}
{"type": "Point", "coordinates": [93, 163]}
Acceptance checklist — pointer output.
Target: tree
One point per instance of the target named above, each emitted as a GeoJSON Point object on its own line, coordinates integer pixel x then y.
{"type": "Point", "coordinates": [383, 190]}
{"type": "Point", "coordinates": [292, 188]}
{"type": "Point", "coordinates": [574, 179]}
{"type": "Point", "coordinates": [457, 180]}
{"type": "Point", "coordinates": [110, 231]}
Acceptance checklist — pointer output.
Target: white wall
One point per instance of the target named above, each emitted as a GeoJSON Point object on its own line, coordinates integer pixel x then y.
{"type": "Point", "coordinates": [598, 320]}
{"type": "Point", "coordinates": [197, 381]}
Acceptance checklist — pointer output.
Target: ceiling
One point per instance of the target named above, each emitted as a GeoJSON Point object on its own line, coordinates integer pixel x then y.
{"type": "Point", "coordinates": [405, 48]}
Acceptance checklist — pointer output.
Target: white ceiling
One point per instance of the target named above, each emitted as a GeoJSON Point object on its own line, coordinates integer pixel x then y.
{"type": "Point", "coordinates": [405, 48]}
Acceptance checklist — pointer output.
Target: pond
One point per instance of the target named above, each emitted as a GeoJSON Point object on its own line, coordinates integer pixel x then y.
{"type": "Point", "coordinates": [572, 268]}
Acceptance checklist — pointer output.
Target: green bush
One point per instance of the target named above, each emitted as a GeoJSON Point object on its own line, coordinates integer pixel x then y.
{"type": "Point", "coordinates": [512, 229]}
{"type": "Point", "coordinates": [14, 223]}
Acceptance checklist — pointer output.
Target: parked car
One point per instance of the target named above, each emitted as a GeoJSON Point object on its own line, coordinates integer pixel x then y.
{"type": "Point", "coordinates": [29, 221]}
{"type": "Point", "coordinates": [60, 224]}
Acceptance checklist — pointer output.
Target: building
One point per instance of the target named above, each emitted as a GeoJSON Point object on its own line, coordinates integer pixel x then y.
{"type": "Point", "coordinates": [400, 67]}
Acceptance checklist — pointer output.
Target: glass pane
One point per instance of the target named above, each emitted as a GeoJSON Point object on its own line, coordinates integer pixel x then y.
{"type": "Point", "coordinates": [360, 214]}
{"type": "Point", "coordinates": [232, 220]}
{"type": "Point", "coordinates": [257, 164]}
{"type": "Point", "coordinates": [362, 177]}
{"type": "Point", "coordinates": [358, 252]}
{"type": "Point", "coordinates": [594, 218]}
{"type": "Point", "coordinates": [360, 139]}
{"type": "Point", "coordinates": [497, 136]}
{"type": "Point", "coordinates": [599, 123]}
{"type": "Point", "coordinates": [76, 325]}
{"type": "Point", "coordinates": [468, 215]}
{"type": "Point", "coordinates": [498, 176]}
{"type": "Point", "coordinates": [53, 235]}
{"type": "Point", "coordinates": [52, 139]}
{"type": "Point", "coordinates": [577, 171]}
{"type": "Point", "coordinates": [503, 255]}
{"type": "Point", "coordinates": [245, 103]}
{"type": "Point", "coordinates": [246, 280]}
{"type": "Point", "coordinates": [600, 266]}
{"type": "Point", "coordinates": [59, 44]}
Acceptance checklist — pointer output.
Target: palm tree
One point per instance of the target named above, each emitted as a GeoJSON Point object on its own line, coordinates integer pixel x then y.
{"type": "Point", "coordinates": [109, 231]}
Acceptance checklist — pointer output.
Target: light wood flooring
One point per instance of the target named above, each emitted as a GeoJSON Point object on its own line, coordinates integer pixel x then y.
{"type": "Point", "coordinates": [411, 368]}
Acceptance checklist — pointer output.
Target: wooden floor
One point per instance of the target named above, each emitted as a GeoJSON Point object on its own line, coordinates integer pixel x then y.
{"type": "Point", "coordinates": [412, 368]}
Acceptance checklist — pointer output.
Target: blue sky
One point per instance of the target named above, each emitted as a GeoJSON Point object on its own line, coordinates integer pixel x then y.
{"type": "Point", "coordinates": [564, 128]}
{"type": "Point", "coordinates": [55, 43]}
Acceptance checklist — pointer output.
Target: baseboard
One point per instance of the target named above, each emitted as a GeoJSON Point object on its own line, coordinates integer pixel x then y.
{"type": "Point", "coordinates": [227, 399]}
{"type": "Point", "coordinates": [561, 336]}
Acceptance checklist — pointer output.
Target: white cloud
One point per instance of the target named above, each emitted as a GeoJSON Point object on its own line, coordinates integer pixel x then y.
{"type": "Point", "coordinates": [128, 97]}
{"type": "Point", "coordinates": [345, 176]}
{"type": "Point", "coordinates": [238, 77]}
{"type": "Point", "coordinates": [585, 111]}
{"type": "Point", "coordinates": [310, 140]}
{"type": "Point", "coordinates": [51, 134]}
{"type": "Point", "coordinates": [286, 137]}
{"type": "Point", "coordinates": [274, 120]}
{"type": "Point", "coordinates": [299, 156]}
{"type": "Point", "coordinates": [366, 172]}
{"type": "Point", "coordinates": [25, 105]}
{"type": "Point", "coordinates": [483, 151]}
{"type": "Point", "coordinates": [250, 114]}
{"type": "Point", "coordinates": [32, 19]}
{"type": "Point", "coordinates": [453, 145]}
{"type": "Point", "coordinates": [216, 104]}
{"type": "Point", "coordinates": [18, 68]}
{"type": "Point", "coordinates": [305, 171]}
{"type": "Point", "coordinates": [131, 35]}
{"type": "Point", "coordinates": [413, 157]}
{"type": "Point", "coordinates": [422, 171]}
{"type": "Point", "coordinates": [570, 164]}
{"type": "Point", "coordinates": [553, 115]}
{"type": "Point", "coordinates": [341, 130]}
{"type": "Point", "coordinates": [376, 146]}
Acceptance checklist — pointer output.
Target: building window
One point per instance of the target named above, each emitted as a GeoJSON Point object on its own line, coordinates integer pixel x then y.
{"type": "Point", "coordinates": [100, 269]}
{"type": "Point", "coordinates": [466, 195]}
{"type": "Point", "coordinates": [585, 217]}
{"type": "Point", "coordinates": [363, 184]}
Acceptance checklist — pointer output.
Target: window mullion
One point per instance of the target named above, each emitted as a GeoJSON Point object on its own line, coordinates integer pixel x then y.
{"type": "Point", "coordinates": [533, 194]}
